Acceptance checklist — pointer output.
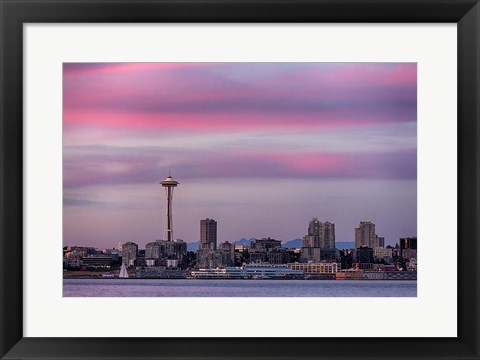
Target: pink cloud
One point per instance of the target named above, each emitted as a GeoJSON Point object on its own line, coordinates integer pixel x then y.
{"type": "Point", "coordinates": [199, 97]}
{"type": "Point", "coordinates": [83, 69]}
{"type": "Point", "coordinates": [110, 165]}
{"type": "Point", "coordinates": [217, 123]}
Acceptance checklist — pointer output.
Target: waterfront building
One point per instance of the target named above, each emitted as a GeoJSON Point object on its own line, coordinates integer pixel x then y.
{"type": "Point", "coordinates": [179, 252]}
{"type": "Point", "coordinates": [381, 253]}
{"type": "Point", "coordinates": [390, 275]}
{"type": "Point", "coordinates": [169, 185]}
{"type": "Point", "coordinates": [241, 255]}
{"type": "Point", "coordinates": [80, 251]}
{"type": "Point", "coordinates": [278, 256]}
{"type": "Point", "coordinates": [412, 264]}
{"type": "Point", "coordinates": [261, 248]}
{"type": "Point", "coordinates": [310, 254]}
{"type": "Point", "coordinates": [207, 258]}
{"type": "Point", "coordinates": [115, 253]}
{"type": "Point", "coordinates": [72, 262]}
{"type": "Point", "coordinates": [384, 267]}
{"type": "Point", "coordinates": [265, 245]}
{"type": "Point", "coordinates": [350, 274]}
{"type": "Point", "coordinates": [152, 250]}
{"type": "Point", "coordinates": [365, 235]}
{"type": "Point", "coordinates": [163, 250]}
{"type": "Point", "coordinates": [150, 262]}
{"type": "Point", "coordinates": [98, 261]}
{"type": "Point", "coordinates": [227, 254]}
{"type": "Point", "coordinates": [129, 251]}
{"type": "Point", "coordinates": [365, 255]}
{"type": "Point", "coordinates": [400, 264]}
{"type": "Point", "coordinates": [408, 248]}
{"type": "Point", "coordinates": [257, 257]}
{"type": "Point", "coordinates": [172, 263]}
{"type": "Point", "coordinates": [208, 234]}
{"type": "Point", "coordinates": [316, 268]}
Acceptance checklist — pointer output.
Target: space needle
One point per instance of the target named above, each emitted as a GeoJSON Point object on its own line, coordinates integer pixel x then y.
{"type": "Point", "coordinates": [169, 184]}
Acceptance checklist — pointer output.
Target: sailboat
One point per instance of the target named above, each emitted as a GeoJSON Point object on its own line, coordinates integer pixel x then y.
{"type": "Point", "coordinates": [123, 272]}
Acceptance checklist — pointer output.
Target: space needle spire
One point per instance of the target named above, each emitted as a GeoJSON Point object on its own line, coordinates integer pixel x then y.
{"type": "Point", "coordinates": [169, 184]}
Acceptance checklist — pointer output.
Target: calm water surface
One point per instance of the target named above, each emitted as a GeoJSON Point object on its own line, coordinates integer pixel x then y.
{"type": "Point", "coordinates": [237, 288]}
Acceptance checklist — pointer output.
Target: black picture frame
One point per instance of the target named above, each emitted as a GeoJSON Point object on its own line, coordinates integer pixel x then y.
{"type": "Point", "coordinates": [14, 13]}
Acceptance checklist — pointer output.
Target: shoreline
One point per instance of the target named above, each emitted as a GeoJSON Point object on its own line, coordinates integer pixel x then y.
{"type": "Point", "coordinates": [216, 279]}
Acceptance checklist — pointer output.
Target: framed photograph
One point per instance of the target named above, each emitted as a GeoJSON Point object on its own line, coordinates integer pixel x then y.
{"type": "Point", "coordinates": [307, 144]}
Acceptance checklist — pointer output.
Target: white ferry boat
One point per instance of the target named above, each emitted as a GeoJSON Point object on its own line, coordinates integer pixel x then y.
{"type": "Point", "coordinates": [254, 271]}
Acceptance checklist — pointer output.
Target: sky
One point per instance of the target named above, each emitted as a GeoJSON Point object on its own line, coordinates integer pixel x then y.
{"type": "Point", "coordinates": [262, 148]}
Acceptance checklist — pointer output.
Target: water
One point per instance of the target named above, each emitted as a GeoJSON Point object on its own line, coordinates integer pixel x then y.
{"type": "Point", "coordinates": [237, 288]}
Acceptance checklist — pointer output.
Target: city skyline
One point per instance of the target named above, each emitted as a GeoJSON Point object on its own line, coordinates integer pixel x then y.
{"type": "Point", "coordinates": [259, 147]}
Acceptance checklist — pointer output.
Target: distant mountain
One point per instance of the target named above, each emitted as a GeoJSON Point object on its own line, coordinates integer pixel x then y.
{"type": "Point", "coordinates": [295, 243]}
{"type": "Point", "coordinates": [345, 245]}
{"type": "Point", "coordinates": [244, 241]}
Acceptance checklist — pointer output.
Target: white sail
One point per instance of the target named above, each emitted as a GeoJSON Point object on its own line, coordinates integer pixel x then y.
{"type": "Point", "coordinates": [123, 272]}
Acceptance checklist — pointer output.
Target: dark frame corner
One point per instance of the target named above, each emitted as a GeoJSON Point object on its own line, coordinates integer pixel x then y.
{"type": "Point", "coordinates": [466, 13]}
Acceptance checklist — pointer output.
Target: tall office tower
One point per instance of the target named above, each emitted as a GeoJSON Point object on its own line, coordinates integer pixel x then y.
{"type": "Point", "coordinates": [314, 227]}
{"type": "Point", "coordinates": [313, 234]}
{"type": "Point", "coordinates": [365, 235]}
{"type": "Point", "coordinates": [169, 184]}
{"type": "Point", "coordinates": [208, 234]}
{"type": "Point", "coordinates": [327, 236]}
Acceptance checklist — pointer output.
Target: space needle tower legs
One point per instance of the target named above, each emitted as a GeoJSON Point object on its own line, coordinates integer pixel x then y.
{"type": "Point", "coordinates": [169, 184]}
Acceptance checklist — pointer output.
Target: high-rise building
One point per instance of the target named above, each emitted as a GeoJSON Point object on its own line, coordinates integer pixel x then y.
{"type": "Point", "coordinates": [319, 244]}
{"type": "Point", "coordinates": [169, 185]}
{"type": "Point", "coordinates": [327, 236]}
{"type": "Point", "coordinates": [129, 251]}
{"type": "Point", "coordinates": [208, 234]}
{"type": "Point", "coordinates": [227, 253]}
{"type": "Point", "coordinates": [320, 235]}
{"type": "Point", "coordinates": [365, 235]}
{"type": "Point", "coordinates": [314, 227]}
